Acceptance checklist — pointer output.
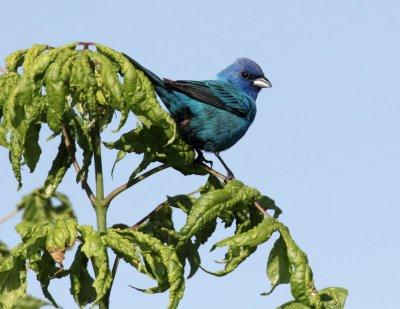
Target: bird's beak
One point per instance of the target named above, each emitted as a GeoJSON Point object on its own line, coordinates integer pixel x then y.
{"type": "Point", "coordinates": [262, 82]}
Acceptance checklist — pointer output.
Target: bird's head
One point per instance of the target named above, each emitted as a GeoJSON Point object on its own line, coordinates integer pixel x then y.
{"type": "Point", "coordinates": [246, 75]}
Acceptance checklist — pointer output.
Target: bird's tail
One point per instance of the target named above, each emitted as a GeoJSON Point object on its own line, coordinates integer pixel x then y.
{"type": "Point", "coordinates": [150, 75]}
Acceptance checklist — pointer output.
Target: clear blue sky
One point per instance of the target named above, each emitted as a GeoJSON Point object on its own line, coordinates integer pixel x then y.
{"type": "Point", "coordinates": [325, 142]}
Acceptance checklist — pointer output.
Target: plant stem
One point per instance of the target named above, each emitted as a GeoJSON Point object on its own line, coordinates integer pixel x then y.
{"type": "Point", "coordinates": [100, 206]}
{"type": "Point", "coordinates": [129, 184]}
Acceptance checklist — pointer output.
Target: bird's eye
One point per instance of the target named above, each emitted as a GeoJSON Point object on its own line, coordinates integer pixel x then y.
{"type": "Point", "coordinates": [245, 74]}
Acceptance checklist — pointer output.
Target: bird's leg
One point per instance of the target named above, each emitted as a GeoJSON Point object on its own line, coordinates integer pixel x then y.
{"type": "Point", "coordinates": [200, 158]}
{"type": "Point", "coordinates": [229, 175]}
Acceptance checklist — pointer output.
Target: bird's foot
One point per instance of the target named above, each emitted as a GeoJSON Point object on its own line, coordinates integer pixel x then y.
{"type": "Point", "coordinates": [228, 177]}
{"type": "Point", "coordinates": [201, 159]}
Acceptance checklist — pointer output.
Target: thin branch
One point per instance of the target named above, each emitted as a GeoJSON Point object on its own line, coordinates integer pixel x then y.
{"type": "Point", "coordinates": [85, 185]}
{"type": "Point", "coordinates": [129, 184]}
{"type": "Point", "coordinates": [213, 172]}
{"type": "Point", "coordinates": [9, 215]}
{"type": "Point", "coordinates": [261, 209]}
{"type": "Point", "coordinates": [3, 70]}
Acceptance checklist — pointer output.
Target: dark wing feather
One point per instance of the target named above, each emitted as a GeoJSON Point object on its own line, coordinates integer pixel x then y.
{"type": "Point", "coordinates": [209, 93]}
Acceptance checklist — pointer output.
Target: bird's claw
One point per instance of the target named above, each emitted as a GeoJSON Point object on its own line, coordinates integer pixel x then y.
{"type": "Point", "coordinates": [208, 162]}
{"type": "Point", "coordinates": [200, 159]}
{"type": "Point", "coordinates": [228, 177]}
{"type": "Point", "coordinates": [203, 160]}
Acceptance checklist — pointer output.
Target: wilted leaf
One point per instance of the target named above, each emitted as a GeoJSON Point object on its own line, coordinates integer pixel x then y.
{"type": "Point", "coordinates": [61, 234]}
{"type": "Point", "coordinates": [12, 281]}
{"type": "Point", "coordinates": [169, 271]}
{"type": "Point", "coordinates": [36, 207]}
{"type": "Point", "coordinates": [278, 265]}
{"type": "Point", "coordinates": [81, 282]}
{"type": "Point", "coordinates": [29, 302]}
{"type": "Point", "coordinates": [209, 206]}
{"type": "Point", "coordinates": [46, 270]}
{"type": "Point", "coordinates": [95, 250]}
{"type": "Point", "coordinates": [58, 169]}
{"type": "Point", "coordinates": [333, 298]}
{"type": "Point", "coordinates": [124, 248]}
{"type": "Point", "coordinates": [4, 251]}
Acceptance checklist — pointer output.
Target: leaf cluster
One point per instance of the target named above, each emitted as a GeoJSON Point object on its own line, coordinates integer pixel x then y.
{"type": "Point", "coordinates": [80, 90]}
{"type": "Point", "coordinates": [76, 92]}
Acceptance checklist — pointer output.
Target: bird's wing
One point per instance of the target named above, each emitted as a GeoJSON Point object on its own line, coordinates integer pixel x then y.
{"type": "Point", "coordinates": [214, 93]}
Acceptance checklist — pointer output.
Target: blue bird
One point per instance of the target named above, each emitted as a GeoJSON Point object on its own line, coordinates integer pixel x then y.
{"type": "Point", "coordinates": [212, 115]}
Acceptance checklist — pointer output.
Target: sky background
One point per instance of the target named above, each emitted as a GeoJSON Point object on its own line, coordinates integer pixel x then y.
{"type": "Point", "coordinates": [325, 142]}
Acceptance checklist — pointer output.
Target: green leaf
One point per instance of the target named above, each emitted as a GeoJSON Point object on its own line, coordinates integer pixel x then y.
{"type": "Point", "coordinates": [29, 302]}
{"type": "Point", "coordinates": [61, 234]}
{"type": "Point", "coordinates": [16, 152]}
{"type": "Point", "coordinates": [12, 281]}
{"type": "Point", "coordinates": [56, 91]}
{"type": "Point", "coordinates": [301, 277]}
{"type": "Point", "coordinates": [14, 60]}
{"type": "Point", "coordinates": [7, 83]}
{"type": "Point", "coordinates": [254, 237]}
{"type": "Point", "coordinates": [95, 250]}
{"type": "Point", "coordinates": [213, 183]}
{"type": "Point", "coordinates": [32, 54]}
{"type": "Point", "coordinates": [211, 205]}
{"type": "Point", "coordinates": [33, 239]}
{"type": "Point", "coordinates": [83, 85]}
{"type": "Point", "coordinates": [53, 236]}
{"type": "Point", "coordinates": [32, 150]}
{"type": "Point", "coordinates": [58, 169]}
{"type": "Point", "coordinates": [81, 281]}
{"type": "Point", "coordinates": [4, 251]}
{"type": "Point", "coordinates": [183, 202]}
{"type": "Point", "coordinates": [124, 248]}
{"type": "Point", "coordinates": [233, 258]}
{"type": "Point", "coordinates": [268, 203]}
{"type": "Point", "coordinates": [180, 156]}
{"type": "Point", "coordinates": [278, 265]}
{"type": "Point", "coordinates": [82, 135]}
{"type": "Point", "coordinates": [164, 263]}
{"type": "Point", "coordinates": [333, 298]}
{"type": "Point", "coordinates": [120, 155]}
{"type": "Point", "coordinates": [110, 82]}
{"type": "Point", "coordinates": [36, 207]}
{"type": "Point", "coordinates": [159, 224]}
{"type": "Point", "coordinates": [46, 270]}
{"type": "Point", "coordinates": [246, 218]}
{"type": "Point", "coordinates": [3, 137]}
{"type": "Point", "coordinates": [301, 281]}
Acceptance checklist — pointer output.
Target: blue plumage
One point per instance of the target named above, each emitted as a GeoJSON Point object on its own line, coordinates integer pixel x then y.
{"type": "Point", "coordinates": [212, 115]}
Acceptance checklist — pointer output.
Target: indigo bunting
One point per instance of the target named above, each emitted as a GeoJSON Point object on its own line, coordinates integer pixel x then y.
{"type": "Point", "coordinates": [212, 115]}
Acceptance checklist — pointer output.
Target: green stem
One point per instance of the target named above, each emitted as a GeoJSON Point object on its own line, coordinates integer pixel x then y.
{"type": "Point", "coordinates": [100, 206]}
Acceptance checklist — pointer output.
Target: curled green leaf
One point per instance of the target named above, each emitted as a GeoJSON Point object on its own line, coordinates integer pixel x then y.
{"type": "Point", "coordinates": [278, 265]}
{"type": "Point", "coordinates": [211, 205]}
{"type": "Point", "coordinates": [60, 165]}
{"type": "Point", "coordinates": [95, 250]}
{"type": "Point", "coordinates": [163, 262]}
{"type": "Point", "coordinates": [15, 60]}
